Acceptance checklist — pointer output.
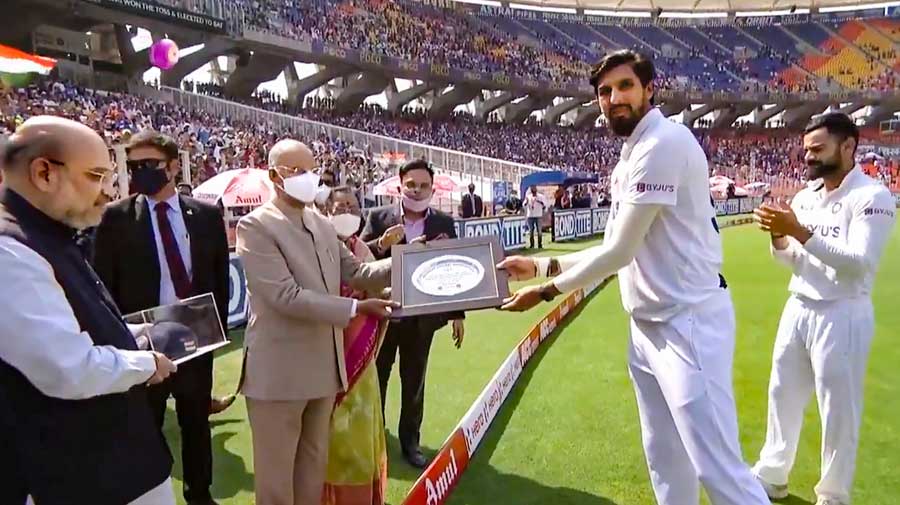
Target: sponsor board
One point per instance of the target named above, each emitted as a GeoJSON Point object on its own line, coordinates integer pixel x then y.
{"type": "Point", "coordinates": [166, 13]}
{"type": "Point", "coordinates": [238, 303]}
{"type": "Point", "coordinates": [727, 207]}
{"type": "Point", "coordinates": [572, 224]}
{"type": "Point", "coordinates": [440, 478]}
{"type": "Point", "coordinates": [481, 227]}
{"type": "Point", "coordinates": [476, 421]}
{"type": "Point", "coordinates": [442, 475]}
{"type": "Point", "coordinates": [515, 231]}
{"type": "Point", "coordinates": [600, 217]}
{"type": "Point", "coordinates": [511, 230]}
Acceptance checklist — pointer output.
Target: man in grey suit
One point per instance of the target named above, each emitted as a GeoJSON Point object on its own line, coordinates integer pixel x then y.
{"type": "Point", "coordinates": [294, 362]}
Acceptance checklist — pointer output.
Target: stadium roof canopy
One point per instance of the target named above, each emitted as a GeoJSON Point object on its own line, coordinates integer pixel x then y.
{"type": "Point", "coordinates": [686, 6]}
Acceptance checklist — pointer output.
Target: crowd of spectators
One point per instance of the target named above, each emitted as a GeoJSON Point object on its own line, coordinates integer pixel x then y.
{"type": "Point", "coordinates": [215, 144]}
{"type": "Point", "coordinates": [456, 38]}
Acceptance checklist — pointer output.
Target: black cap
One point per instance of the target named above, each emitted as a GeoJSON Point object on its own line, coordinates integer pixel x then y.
{"type": "Point", "coordinates": [175, 340]}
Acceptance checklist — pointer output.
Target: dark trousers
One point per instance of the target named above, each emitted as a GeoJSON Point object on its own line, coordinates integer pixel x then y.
{"type": "Point", "coordinates": [192, 388]}
{"type": "Point", "coordinates": [414, 346]}
{"type": "Point", "coordinates": [12, 484]}
{"type": "Point", "coordinates": [534, 226]}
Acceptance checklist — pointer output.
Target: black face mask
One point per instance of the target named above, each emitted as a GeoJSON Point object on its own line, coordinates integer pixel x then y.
{"type": "Point", "coordinates": [147, 177]}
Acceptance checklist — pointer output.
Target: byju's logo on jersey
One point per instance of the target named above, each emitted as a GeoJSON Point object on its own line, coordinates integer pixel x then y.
{"type": "Point", "coordinates": [878, 212]}
{"type": "Point", "coordinates": [644, 187]}
{"type": "Point", "coordinates": [825, 230]}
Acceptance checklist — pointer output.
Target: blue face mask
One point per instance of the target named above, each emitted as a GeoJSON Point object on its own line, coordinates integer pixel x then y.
{"type": "Point", "coordinates": [148, 177]}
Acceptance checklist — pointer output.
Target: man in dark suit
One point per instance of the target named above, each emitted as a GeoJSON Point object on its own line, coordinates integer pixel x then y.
{"type": "Point", "coordinates": [412, 219]}
{"type": "Point", "coordinates": [156, 248]}
{"type": "Point", "coordinates": [472, 204]}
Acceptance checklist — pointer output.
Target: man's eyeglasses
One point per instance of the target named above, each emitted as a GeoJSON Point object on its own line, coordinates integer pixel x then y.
{"type": "Point", "coordinates": [102, 175]}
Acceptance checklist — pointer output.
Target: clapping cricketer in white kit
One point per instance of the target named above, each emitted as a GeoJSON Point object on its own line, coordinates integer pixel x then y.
{"type": "Point", "coordinates": [832, 237]}
{"type": "Point", "coordinates": [663, 241]}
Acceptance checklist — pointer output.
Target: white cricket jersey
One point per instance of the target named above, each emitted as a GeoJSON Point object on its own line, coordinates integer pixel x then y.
{"type": "Point", "coordinates": [850, 227]}
{"type": "Point", "coordinates": [678, 263]}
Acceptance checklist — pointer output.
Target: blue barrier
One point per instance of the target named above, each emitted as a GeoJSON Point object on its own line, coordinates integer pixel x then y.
{"type": "Point", "coordinates": [572, 224]}
{"type": "Point", "coordinates": [512, 229]}
{"type": "Point", "coordinates": [238, 303]}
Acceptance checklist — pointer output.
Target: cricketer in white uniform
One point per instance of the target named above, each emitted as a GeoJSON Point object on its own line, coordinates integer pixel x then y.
{"type": "Point", "coordinates": [832, 237]}
{"type": "Point", "coordinates": [663, 241]}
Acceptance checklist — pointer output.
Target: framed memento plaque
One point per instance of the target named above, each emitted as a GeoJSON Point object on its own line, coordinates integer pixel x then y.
{"type": "Point", "coordinates": [448, 276]}
{"type": "Point", "coordinates": [182, 331]}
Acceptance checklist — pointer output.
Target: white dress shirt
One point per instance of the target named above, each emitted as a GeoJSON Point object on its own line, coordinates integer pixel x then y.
{"type": "Point", "coordinates": [41, 338]}
{"type": "Point", "coordinates": [850, 227]}
{"type": "Point", "coordinates": [167, 294]}
{"type": "Point", "coordinates": [535, 205]}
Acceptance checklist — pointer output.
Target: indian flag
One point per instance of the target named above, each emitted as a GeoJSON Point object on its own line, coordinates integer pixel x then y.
{"type": "Point", "coordinates": [13, 61]}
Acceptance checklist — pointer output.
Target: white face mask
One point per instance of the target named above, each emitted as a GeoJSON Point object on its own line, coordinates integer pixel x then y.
{"type": "Point", "coordinates": [346, 225]}
{"type": "Point", "coordinates": [322, 194]}
{"type": "Point", "coordinates": [415, 205]}
{"type": "Point", "coordinates": [302, 187]}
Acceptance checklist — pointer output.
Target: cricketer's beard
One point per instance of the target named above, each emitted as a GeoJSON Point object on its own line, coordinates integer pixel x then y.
{"type": "Point", "coordinates": [623, 126]}
{"type": "Point", "coordinates": [816, 169]}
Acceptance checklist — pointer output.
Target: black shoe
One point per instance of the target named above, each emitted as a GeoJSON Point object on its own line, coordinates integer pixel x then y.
{"type": "Point", "coordinates": [415, 458]}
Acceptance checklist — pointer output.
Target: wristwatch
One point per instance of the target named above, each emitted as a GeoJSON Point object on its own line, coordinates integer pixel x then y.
{"type": "Point", "coordinates": [554, 269]}
{"type": "Point", "coordinates": [547, 293]}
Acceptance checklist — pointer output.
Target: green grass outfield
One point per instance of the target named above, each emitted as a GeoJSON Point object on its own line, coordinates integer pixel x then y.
{"type": "Point", "coordinates": [569, 433]}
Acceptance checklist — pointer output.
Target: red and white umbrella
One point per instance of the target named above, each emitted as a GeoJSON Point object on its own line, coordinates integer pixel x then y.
{"type": "Point", "coordinates": [443, 185]}
{"type": "Point", "coordinates": [719, 180]}
{"type": "Point", "coordinates": [721, 192]}
{"type": "Point", "coordinates": [758, 188]}
{"type": "Point", "coordinates": [237, 188]}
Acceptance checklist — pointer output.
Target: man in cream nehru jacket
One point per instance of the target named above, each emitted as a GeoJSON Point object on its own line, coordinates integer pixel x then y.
{"type": "Point", "coordinates": [294, 362]}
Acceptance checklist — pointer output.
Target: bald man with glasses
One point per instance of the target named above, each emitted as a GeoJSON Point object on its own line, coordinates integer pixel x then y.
{"type": "Point", "coordinates": [75, 424]}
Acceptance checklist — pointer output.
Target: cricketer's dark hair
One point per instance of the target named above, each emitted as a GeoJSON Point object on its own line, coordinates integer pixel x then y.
{"type": "Point", "coordinates": [419, 164]}
{"type": "Point", "coordinates": [152, 138]}
{"type": "Point", "coordinates": [640, 64]}
{"type": "Point", "coordinates": [835, 123]}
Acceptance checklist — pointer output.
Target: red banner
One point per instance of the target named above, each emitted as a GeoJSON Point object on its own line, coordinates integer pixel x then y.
{"type": "Point", "coordinates": [442, 475]}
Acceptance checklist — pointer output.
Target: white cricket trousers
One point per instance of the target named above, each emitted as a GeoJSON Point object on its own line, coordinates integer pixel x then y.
{"type": "Point", "coordinates": [821, 346]}
{"type": "Point", "coordinates": [681, 369]}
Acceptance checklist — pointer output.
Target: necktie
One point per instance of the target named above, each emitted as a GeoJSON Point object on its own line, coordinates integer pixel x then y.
{"type": "Point", "coordinates": [178, 272]}
{"type": "Point", "coordinates": [472, 199]}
